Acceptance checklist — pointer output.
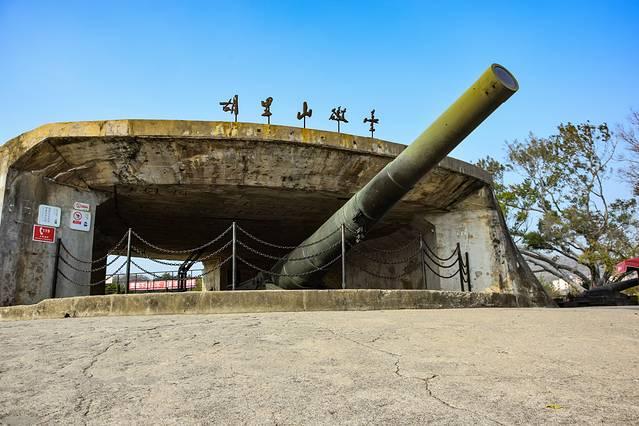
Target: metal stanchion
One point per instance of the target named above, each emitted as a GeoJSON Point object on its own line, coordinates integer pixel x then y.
{"type": "Point", "coordinates": [233, 260]}
{"type": "Point", "coordinates": [343, 257]}
{"type": "Point", "coordinates": [54, 283]}
{"type": "Point", "coordinates": [461, 265]}
{"type": "Point", "coordinates": [128, 261]}
{"type": "Point", "coordinates": [421, 260]}
{"type": "Point", "coordinates": [468, 273]}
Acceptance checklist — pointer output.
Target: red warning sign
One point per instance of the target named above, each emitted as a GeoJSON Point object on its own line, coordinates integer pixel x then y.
{"type": "Point", "coordinates": [44, 234]}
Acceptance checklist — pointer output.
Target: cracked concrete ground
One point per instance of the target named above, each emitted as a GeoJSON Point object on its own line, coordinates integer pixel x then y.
{"type": "Point", "coordinates": [479, 366]}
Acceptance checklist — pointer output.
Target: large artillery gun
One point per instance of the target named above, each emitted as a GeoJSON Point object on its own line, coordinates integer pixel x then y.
{"type": "Point", "coordinates": [606, 295]}
{"type": "Point", "coordinates": [305, 265]}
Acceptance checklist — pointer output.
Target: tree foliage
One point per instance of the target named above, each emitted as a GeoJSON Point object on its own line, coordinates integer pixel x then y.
{"type": "Point", "coordinates": [557, 210]}
{"type": "Point", "coordinates": [630, 135]}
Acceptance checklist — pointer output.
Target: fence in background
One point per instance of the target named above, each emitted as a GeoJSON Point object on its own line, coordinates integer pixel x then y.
{"type": "Point", "coordinates": [242, 244]}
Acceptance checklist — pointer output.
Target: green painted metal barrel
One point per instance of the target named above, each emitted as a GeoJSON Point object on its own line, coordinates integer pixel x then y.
{"type": "Point", "coordinates": [302, 267]}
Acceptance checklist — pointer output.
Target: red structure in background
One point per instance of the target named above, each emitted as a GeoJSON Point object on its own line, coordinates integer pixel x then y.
{"type": "Point", "coordinates": [627, 265]}
{"type": "Point", "coordinates": [160, 285]}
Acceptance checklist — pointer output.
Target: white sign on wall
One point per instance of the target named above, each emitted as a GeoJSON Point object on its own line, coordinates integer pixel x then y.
{"type": "Point", "coordinates": [81, 206]}
{"type": "Point", "coordinates": [49, 215]}
{"type": "Point", "coordinates": [80, 220]}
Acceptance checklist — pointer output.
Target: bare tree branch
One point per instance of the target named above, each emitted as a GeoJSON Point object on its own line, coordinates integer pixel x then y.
{"type": "Point", "coordinates": [555, 264]}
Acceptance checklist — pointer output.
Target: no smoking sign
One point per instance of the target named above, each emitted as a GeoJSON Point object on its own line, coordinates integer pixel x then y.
{"type": "Point", "coordinates": [80, 220]}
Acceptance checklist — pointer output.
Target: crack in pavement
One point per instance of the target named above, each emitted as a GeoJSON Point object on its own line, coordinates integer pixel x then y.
{"type": "Point", "coordinates": [95, 357]}
{"type": "Point", "coordinates": [82, 398]}
{"type": "Point", "coordinates": [437, 398]}
{"type": "Point", "coordinates": [425, 380]}
{"type": "Point", "coordinates": [373, 348]}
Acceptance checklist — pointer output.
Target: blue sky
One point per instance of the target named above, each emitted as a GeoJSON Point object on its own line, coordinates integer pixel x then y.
{"type": "Point", "coordinates": [89, 60]}
{"type": "Point", "coordinates": [66, 61]}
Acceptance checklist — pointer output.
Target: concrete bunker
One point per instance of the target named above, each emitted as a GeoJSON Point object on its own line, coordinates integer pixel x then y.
{"type": "Point", "coordinates": [180, 183]}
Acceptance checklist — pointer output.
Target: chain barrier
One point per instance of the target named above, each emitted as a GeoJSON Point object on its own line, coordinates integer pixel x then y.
{"type": "Point", "coordinates": [266, 243]}
{"type": "Point", "coordinates": [115, 247]}
{"type": "Point", "coordinates": [143, 254]}
{"type": "Point", "coordinates": [292, 259]}
{"type": "Point", "coordinates": [106, 278]}
{"type": "Point", "coordinates": [439, 264]}
{"type": "Point", "coordinates": [257, 268]}
{"type": "Point", "coordinates": [382, 276]}
{"type": "Point", "coordinates": [222, 263]}
{"type": "Point", "coordinates": [99, 268]}
{"type": "Point", "coordinates": [434, 259]}
{"type": "Point", "coordinates": [154, 275]}
{"type": "Point", "coordinates": [406, 259]}
{"type": "Point", "coordinates": [443, 276]}
{"type": "Point", "coordinates": [376, 256]}
{"type": "Point", "coordinates": [393, 250]}
{"type": "Point", "coordinates": [163, 250]}
{"type": "Point", "coordinates": [441, 259]}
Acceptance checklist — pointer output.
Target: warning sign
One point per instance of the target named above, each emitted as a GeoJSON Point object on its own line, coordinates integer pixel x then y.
{"type": "Point", "coordinates": [44, 234]}
{"type": "Point", "coordinates": [80, 220]}
{"type": "Point", "coordinates": [81, 206]}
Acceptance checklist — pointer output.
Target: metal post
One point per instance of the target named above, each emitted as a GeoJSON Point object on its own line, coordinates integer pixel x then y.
{"type": "Point", "coordinates": [468, 273]}
{"type": "Point", "coordinates": [343, 257]}
{"type": "Point", "coordinates": [128, 261]}
{"type": "Point", "coordinates": [461, 273]}
{"type": "Point", "coordinates": [421, 260]}
{"type": "Point", "coordinates": [54, 283]}
{"type": "Point", "coordinates": [233, 260]}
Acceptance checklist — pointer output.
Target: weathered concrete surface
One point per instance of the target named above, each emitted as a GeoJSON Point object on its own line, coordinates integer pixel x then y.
{"type": "Point", "coordinates": [216, 302]}
{"type": "Point", "coordinates": [472, 366]}
{"type": "Point", "coordinates": [181, 183]}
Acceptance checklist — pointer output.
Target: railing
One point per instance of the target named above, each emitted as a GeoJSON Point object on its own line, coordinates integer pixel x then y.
{"type": "Point", "coordinates": [167, 281]}
{"type": "Point", "coordinates": [244, 245]}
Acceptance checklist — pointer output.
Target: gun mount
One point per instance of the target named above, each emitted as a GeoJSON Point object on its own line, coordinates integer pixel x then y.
{"type": "Point", "coordinates": [389, 186]}
{"type": "Point", "coordinates": [606, 295]}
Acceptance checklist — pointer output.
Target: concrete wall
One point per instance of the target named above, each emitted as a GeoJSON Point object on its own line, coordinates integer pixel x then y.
{"type": "Point", "coordinates": [26, 266]}
{"type": "Point", "coordinates": [180, 181]}
{"type": "Point", "coordinates": [364, 271]}
{"type": "Point", "coordinates": [495, 263]}
{"type": "Point", "coordinates": [4, 170]}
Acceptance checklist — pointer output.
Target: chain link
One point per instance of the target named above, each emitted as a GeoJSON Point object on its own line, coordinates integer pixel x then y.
{"type": "Point", "coordinates": [387, 262]}
{"type": "Point", "coordinates": [145, 271]}
{"type": "Point", "coordinates": [93, 283]}
{"type": "Point", "coordinates": [441, 259]}
{"type": "Point", "coordinates": [143, 254]}
{"type": "Point", "coordinates": [99, 268]}
{"type": "Point", "coordinates": [456, 262]}
{"type": "Point", "coordinates": [386, 277]}
{"type": "Point", "coordinates": [393, 250]}
{"type": "Point", "coordinates": [440, 275]}
{"type": "Point", "coordinates": [266, 243]}
{"type": "Point", "coordinates": [163, 250]}
{"type": "Point", "coordinates": [257, 268]}
{"type": "Point", "coordinates": [72, 256]}
{"type": "Point", "coordinates": [217, 268]}
{"type": "Point", "coordinates": [292, 259]}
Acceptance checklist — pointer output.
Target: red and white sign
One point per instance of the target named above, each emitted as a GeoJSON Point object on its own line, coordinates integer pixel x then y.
{"type": "Point", "coordinates": [44, 234]}
{"type": "Point", "coordinates": [80, 221]}
{"type": "Point", "coordinates": [81, 206]}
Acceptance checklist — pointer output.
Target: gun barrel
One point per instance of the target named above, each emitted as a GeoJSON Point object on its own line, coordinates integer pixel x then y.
{"type": "Point", "coordinates": [390, 185]}
{"type": "Point", "coordinates": [613, 287]}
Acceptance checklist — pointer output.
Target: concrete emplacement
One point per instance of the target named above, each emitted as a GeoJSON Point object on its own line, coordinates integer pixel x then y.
{"type": "Point", "coordinates": [178, 183]}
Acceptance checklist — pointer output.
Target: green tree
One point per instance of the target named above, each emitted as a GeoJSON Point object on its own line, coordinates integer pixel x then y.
{"type": "Point", "coordinates": [630, 135]}
{"type": "Point", "coordinates": [558, 212]}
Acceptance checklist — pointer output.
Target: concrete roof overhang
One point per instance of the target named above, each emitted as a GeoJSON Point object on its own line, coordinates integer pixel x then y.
{"type": "Point", "coordinates": [197, 176]}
